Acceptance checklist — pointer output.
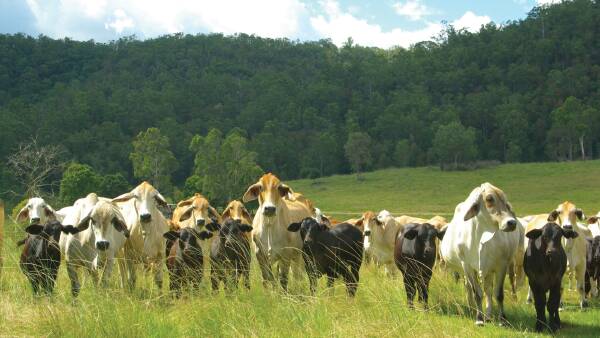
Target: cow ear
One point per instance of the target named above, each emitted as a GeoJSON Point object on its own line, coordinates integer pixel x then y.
{"type": "Point", "coordinates": [186, 214]}
{"type": "Point", "coordinates": [34, 229]}
{"type": "Point", "coordinates": [226, 213]}
{"type": "Point", "coordinates": [214, 226]}
{"type": "Point", "coordinates": [245, 228]}
{"type": "Point", "coordinates": [360, 222]}
{"type": "Point", "coordinates": [214, 212]}
{"type": "Point", "coordinates": [23, 214]}
{"type": "Point", "coordinates": [49, 211]}
{"type": "Point", "coordinates": [171, 235]}
{"type": "Point", "coordinates": [294, 227]}
{"type": "Point", "coordinates": [69, 229]}
{"type": "Point", "coordinates": [160, 199]}
{"type": "Point", "coordinates": [411, 233]}
{"type": "Point", "coordinates": [534, 233]}
{"type": "Point", "coordinates": [252, 193]}
{"type": "Point", "coordinates": [473, 211]}
{"type": "Point", "coordinates": [205, 235]}
{"type": "Point", "coordinates": [592, 220]}
{"type": "Point", "coordinates": [440, 233]}
{"type": "Point", "coordinates": [569, 233]}
{"type": "Point", "coordinates": [579, 214]}
{"type": "Point", "coordinates": [123, 198]}
{"type": "Point", "coordinates": [246, 213]}
{"type": "Point", "coordinates": [553, 216]}
{"type": "Point", "coordinates": [85, 222]}
{"type": "Point", "coordinates": [184, 203]}
{"type": "Point", "coordinates": [284, 190]}
{"type": "Point", "coordinates": [325, 219]}
{"type": "Point", "coordinates": [120, 226]}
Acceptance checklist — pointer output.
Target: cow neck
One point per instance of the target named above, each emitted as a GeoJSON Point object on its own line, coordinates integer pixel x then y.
{"type": "Point", "coordinates": [274, 226]}
{"type": "Point", "coordinates": [481, 225]}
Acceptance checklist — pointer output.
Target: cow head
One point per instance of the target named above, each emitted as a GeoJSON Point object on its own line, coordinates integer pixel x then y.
{"type": "Point", "coordinates": [198, 210]}
{"type": "Point", "coordinates": [549, 237]}
{"type": "Point", "coordinates": [424, 235]}
{"type": "Point", "coordinates": [189, 240]}
{"type": "Point", "coordinates": [309, 229]}
{"type": "Point", "coordinates": [566, 215]}
{"type": "Point", "coordinates": [104, 218]}
{"type": "Point", "coordinates": [147, 199]}
{"type": "Point", "coordinates": [231, 234]}
{"type": "Point", "coordinates": [269, 191]}
{"type": "Point", "coordinates": [37, 211]}
{"type": "Point", "coordinates": [369, 223]}
{"type": "Point", "coordinates": [50, 230]}
{"type": "Point", "coordinates": [491, 203]}
{"type": "Point", "coordinates": [237, 211]}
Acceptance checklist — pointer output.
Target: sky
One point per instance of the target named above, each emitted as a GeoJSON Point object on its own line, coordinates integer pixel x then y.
{"type": "Point", "coordinates": [382, 23]}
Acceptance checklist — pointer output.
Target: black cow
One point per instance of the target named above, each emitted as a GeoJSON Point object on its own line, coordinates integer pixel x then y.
{"type": "Point", "coordinates": [230, 254]}
{"type": "Point", "coordinates": [592, 272]}
{"type": "Point", "coordinates": [414, 254]}
{"type": "Point", "coordinates": [185, 260]}
{"type": "Point", "coordinates": [40, 258]}
{"type": "Point", "coordinates": [545, 264]}
{"type": "Point", "coordinates": [334, 252]}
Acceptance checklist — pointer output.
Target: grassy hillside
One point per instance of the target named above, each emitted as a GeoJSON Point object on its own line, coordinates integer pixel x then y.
{"type": "Point", "coordinates": [379, 309]}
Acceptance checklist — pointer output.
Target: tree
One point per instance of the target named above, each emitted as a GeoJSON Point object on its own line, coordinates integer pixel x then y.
{"type": "Point", "coordinates": [34, 165]}
{"type": "Point", "coordinates": [571, 123]}
{"type": "Point", "coordinates": [402, 153]}
{"type": "Point", "coordinates": [113, 185]}
{"type": "Point", "coordinates": [223, 168]}
{"type": "Point", "coordinates": [358, 151]}
{"type": "Point", "coordinates": [151, 158]}
{"type": "Point", "coordinates": [78, 180]}
{"type": "Point", "coordinates": [453, 143]}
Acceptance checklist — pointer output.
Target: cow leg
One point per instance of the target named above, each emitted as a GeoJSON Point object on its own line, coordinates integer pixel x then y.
{"type": "Point", "coordinates": [110, 262]}
{"type": "Point", "coordinates": [512, 278]}
{"type": "Point", "coordinates": [529, 296]}
{"type": "Point", "coordinates": [390, 269]}
{"type": "Point", "coordinates": [265, 268]}
{"type": "Point", "coordinates": [423, 286]}
{"type": "Point", "coordinates": [477, 294]}
{"type": "Point", "coordinates": [74, 278]}
{"type": "Point", "coordinates": [158, 273]}
{"type": "Point", "coordinates": [409, 287]}
{"type": "Point", "coordinates": [355, 275]}
{"type": "Point", "coordinates": [488, 291]}
{"type": "Point", "coordinates": [499, 294]}
{"type": "Point", "coordinates": [580, 279]}
{"type": "Point", "coordinates": [553, 304]}
{"type": "Point", "coordinates": [284, 270]}
{"type": "Point", "coordinates": [539, 296]}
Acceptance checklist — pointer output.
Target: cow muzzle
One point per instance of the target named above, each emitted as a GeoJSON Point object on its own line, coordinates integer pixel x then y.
{"type": "Point", "coordinates": [34, 220]}
{"type": "Point", "coordinates": [145, 218]}
{"type": "Point", "coordinates": [200, 222]}
{"type": "Point", "coordinates": [367, 233]}
{"type": "Point", "coordinates": [509, 225]}
{"type": "Point", "coordinates": [269, 211]}
{"type": "Point", "coordinates": [102, 245]}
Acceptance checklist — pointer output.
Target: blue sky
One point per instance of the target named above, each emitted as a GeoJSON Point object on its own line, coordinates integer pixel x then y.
{"type": "Point", "coordinates": [383, 23]}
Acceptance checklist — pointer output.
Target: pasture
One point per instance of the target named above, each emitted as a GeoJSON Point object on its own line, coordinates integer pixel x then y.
{"type": "Point", "coordinates": [379, 309]}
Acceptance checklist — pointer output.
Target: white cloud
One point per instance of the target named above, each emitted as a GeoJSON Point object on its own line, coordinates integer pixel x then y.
{"type": "Point", "coordinates": [471, 22]}
{"type": "Point", "coordinates": [547, 2]}
{"type": "Point", "coordinates": [338, 26]}
{"type": "Point", "coordinates": [85, 19]}
{"type": "Point", "coordinates": [412, 9]}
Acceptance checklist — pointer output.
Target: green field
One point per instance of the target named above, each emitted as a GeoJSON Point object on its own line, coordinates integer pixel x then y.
{"type": "Point", "coordinates": [379, 308]}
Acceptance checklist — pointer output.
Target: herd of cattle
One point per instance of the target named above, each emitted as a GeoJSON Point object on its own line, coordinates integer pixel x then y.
{"type": "Point", "coordinates": [484, 242]}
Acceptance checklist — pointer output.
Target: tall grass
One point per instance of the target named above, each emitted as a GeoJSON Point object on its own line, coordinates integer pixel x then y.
{"type": "Point", "coordinates": [379, 309]}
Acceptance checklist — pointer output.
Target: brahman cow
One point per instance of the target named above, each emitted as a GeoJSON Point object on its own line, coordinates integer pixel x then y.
{"type": "Point", "coordinates": [414, 254]}
{"type": "Point", "coordinates": [480, 242]}
{"type": "Point", "coordinates": [236, 211]}
{"type": "Point", "coordinates": [40, 257]}
{"type": "Point", "coordinates": [195, 212]}
{"type": "Point", "coordinates": [146, 226]}
{"type": "Point", "coordinates": [335, 252]}
{"type": "Point", "coordinates": [592, 272]}
{"type": "Point", "coordinates": [274, 244]}
{"type": "Point", "coordinates": [545, 263]}
{"type": "Point", "coordinates": [230, 254]}
{"type": "Point", "coordinates": [567, 216]}
{"type": "Point", "coordinates": [380, 238]}
{"type": "Point", "coordinates": [37, 211]}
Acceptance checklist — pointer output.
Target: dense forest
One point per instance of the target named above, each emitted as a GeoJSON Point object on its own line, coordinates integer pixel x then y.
{"type": "Point", "coordinates": [526, 90]}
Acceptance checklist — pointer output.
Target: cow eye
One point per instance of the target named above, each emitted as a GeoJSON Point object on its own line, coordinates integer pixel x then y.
{"type": "Point", "coordinates": [489, 199]}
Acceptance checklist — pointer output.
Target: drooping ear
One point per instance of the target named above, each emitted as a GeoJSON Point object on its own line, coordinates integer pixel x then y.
{"type": "Point", "coordinates": [441, 233]}
{"type": "Point", "coordinates": [553, 216]}
{"type": "Point", "coordinates": [360, 222]}
{"type": "Point", "coordinates": [49, 211]}
{"type": "Point", "coordinates": [294, 227]}
{"type": "Point", "coordinates": [246, 213]}
{"type": "Point", "coordinates": [325, 219]}
{"type": "Point", "coordinates": [534, 233]}
{"type": "Point", "coordinates": [284, 190]}
{"type": "Point", "coordinates": [23, 214]}
{"type": "Point", "coordinates": [252, 193]}
{"type": "Point", "coordinates": [473, 210]}
{"type": "Point", "coordinates": [214, 226]}
{"type": "Point", "coordinates": [34, 229]}
{"type": "Point", "coordinates": [85, 222]}
{"type": "Point", "coordinates": [411, 233]}
{"type": "Point", "coordinates": [186, 214]}
{"type": "Point", "coordinates": [214, 212]}
{"type": "Point", "coordinates": [592, 220]}
{"type": "Point", "coordinates": [160, 199]}
{"type": "Point", "coordinates": [226, 213]}
{"type": "Point", "coordinates": [569, 233]}
{"type": "Point", "coordinates": [245, 228]}
{"type": "Point", "coordinates": [189, 201]}
{"type": "Point", "coordinates": [205, 235]}
{"type": "Point", "coordinates": [579, 214]}
{"type": "Point", "coordinates": [120, 226]}
{"type": "Point", "coordinates": [123, 198]}
{"type": "Point", "coordinates": [171, 235]}
{"type": "Point", "coordinates": [69, 229]}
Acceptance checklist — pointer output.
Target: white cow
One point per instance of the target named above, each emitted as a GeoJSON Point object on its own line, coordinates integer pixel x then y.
{"type": "Point", "coordinates": [380, 237]}
{"type": "Point", "coordinates": [37, 211]}
{"type": "Point", "coordinates": [102, 234]}
{"type": "Point", "coordinates": [146, 225]}
{"type": "Point", "coordinates": [480, 242]}
{"type": "Point", "coordinates": [274, 243]}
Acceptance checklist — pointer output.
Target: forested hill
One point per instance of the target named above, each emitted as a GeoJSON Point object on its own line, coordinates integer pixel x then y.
{"type": "Point", "coordinates": [521, 91]}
